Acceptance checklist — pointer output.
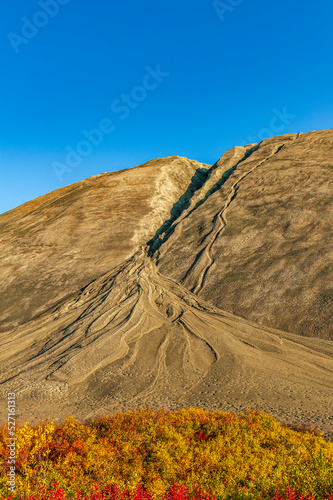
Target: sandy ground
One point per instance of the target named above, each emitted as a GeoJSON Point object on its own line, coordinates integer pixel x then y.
{"type": "Point", "coordinates": [134, 338]}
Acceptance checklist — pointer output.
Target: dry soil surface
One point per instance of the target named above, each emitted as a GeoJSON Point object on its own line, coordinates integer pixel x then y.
{"type": "Point", "coordinates": [175, 284]}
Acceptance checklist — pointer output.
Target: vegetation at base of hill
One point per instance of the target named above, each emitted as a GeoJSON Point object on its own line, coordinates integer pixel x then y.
{"type": "Point", "coordinates": [180, 455]}
{"type": "Point", "coordinates": [113, 492]}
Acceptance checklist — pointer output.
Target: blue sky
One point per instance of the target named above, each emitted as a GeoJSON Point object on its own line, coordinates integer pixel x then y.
{"type": "Point", "coordinates": [151, 79]}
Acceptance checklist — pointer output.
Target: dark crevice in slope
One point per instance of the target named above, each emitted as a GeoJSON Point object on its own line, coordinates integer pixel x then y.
{"type": "Point", "coordinates": [192, 266]}
{"type": "Point", "coordinates": [197, 182]}
{"type": "Point", "coordinates": [164, 232]}
{"type": "Point", "coordinates": [224, 177]}
{"type": "Point", "coordinates": [222, 223]}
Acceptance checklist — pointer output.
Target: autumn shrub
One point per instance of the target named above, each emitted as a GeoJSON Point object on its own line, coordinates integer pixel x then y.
{"type": "Point", "coordinates": [187, 452]}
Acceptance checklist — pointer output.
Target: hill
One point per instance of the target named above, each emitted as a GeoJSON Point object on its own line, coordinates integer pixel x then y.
{"type": "Point", "coordinates": [176, 284]}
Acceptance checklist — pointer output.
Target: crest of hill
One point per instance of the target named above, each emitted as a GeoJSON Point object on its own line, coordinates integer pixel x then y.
{"type": "Point", "coordinates": [54, 245]}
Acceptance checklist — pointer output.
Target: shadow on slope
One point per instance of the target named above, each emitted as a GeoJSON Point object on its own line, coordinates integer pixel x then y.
{"type": "Point", "coordinates": [197, 182]}
{"type": "Point", "coordinates": [164, 232]}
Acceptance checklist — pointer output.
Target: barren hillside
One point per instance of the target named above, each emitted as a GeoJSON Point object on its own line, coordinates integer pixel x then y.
{"type": "Point", "coordinates": [176, 284]}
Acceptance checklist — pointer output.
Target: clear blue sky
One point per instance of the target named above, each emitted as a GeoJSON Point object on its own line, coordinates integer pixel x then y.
{"type": "Point", "coordinates": [222, 79]}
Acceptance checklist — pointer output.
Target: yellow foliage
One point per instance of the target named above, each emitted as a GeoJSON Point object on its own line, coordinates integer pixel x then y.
{"type": "Point", "coordinates": [222, 453]}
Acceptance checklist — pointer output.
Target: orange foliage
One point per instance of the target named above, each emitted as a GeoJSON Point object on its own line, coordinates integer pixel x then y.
{"type": "Point", "coordinates": [227, 456]}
